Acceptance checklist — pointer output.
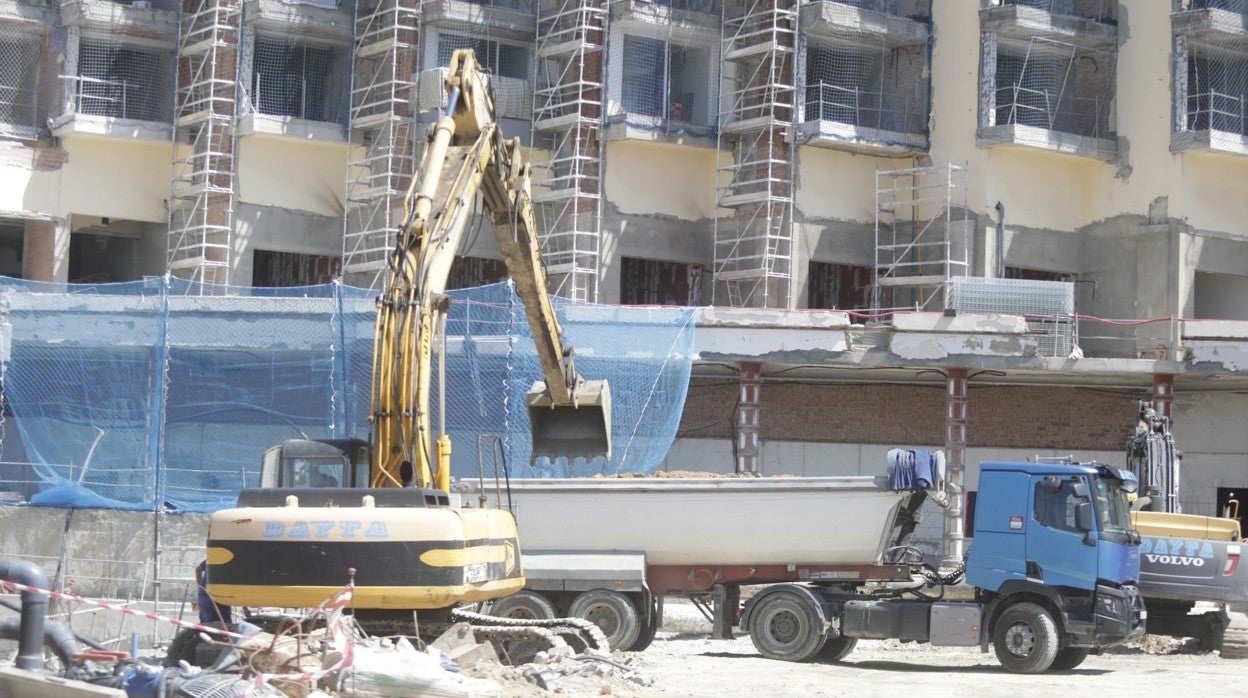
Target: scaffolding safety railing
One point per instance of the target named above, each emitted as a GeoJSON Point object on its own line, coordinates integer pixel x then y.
{"type": "Point", "coordinates": [568, 104]}
{"type": "Point", "coordinates": [382, 134]}
{"type": "Point", "coordinates": [753, 245]}
{"type": "Point", "coordinates": [203, 191]}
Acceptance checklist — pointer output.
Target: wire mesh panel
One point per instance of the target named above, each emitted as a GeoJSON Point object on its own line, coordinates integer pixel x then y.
{"type": "Point", "coordinates": [867, 84]}
{"type": "Point", "coordinates": [1055, 86]}
{"type": "Point", "coordinates": [665, 79]}
{"type": "Point", "coordinates": [501, 58]}
{"type": "Point", "coordinates": [19, 77]}
{"type": "Point", "coordinates": [1217, 89]}
{"type": "Point", "coordinates": [123, 80]}
{"type": "Point", "coordinates": [1229, 5]}
{"type": "Point", "coordinates": [299, 78]}
{"type": "Point", "coordinates": [1048, 306]}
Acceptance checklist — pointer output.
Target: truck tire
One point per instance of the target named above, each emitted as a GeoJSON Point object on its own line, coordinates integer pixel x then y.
{"type": "Point", "coordinates": [784, 627]}
{"type": "Point", "coordinates": [647, 633]}
{"type": "Point", "coordinates": [1068, 658]}
{"type": "Point", "coordinates": [612, 612]}
{"type": "Point", "coordinates": [834, 650]}
{"type": "Point", "coordinates": [523, 604]}
{"type": "Point", "coordinates": [1025, 639]}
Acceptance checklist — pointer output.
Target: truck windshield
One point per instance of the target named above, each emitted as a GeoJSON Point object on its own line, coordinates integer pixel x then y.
{"type": "Point", "coordinates": [1113, 509]}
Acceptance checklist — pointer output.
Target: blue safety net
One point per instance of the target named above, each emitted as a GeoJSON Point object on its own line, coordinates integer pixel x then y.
{"type": "Point", "coordinates": [161, 393]}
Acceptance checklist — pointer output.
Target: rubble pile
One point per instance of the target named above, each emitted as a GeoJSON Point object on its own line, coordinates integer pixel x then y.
{"type": "Point", "coordinates": [562, 671]}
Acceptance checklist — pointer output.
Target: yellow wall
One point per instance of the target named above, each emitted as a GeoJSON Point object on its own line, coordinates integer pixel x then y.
{"type": "Point", "coordinates": [651, 178]}
{"type": "Point", "coordinates": [118, 178]}
{"type": "Point", "coordinates": [303, 175]}
{"type": "Point", "coordinates": [839, 185]}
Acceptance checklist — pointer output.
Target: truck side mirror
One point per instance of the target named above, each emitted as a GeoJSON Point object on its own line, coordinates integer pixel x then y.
{"type": "Point", "coordinates": [1080, 489]}
{"type": "Point", "coordinates": [1083, 517]}
{"type": "Point", "coordinates": [1051, 484]}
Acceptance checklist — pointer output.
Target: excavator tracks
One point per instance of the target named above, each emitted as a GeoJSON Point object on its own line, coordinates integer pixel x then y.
{"type": "Point", "coordinates": [1235, 638]}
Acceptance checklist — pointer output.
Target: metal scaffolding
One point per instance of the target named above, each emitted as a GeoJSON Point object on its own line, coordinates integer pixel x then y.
{"type": "Point", "coordinates": [567, 113]}
{"type": "Point", "coordinates": [201, 203]}
{"type": "Point", "coordinates": [922, 235]}
{"type": "Point", "coordinates": [755, 155]}
{"type": "Point", "coordinates": [381, 153]}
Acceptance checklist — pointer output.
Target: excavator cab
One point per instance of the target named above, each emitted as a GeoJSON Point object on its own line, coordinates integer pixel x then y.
{"type": "Point", "coordinates": [576, 428]}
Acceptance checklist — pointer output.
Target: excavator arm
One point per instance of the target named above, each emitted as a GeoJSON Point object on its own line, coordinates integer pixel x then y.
{"type": "Point", "coordinates": [467, 155]}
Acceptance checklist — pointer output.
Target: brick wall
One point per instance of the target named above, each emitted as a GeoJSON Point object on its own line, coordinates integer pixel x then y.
{"type": "Point", "coordinates": [1006, 416]}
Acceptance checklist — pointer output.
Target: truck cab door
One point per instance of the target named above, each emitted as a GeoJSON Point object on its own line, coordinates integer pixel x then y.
{"type": "Point", "coordinates": [1058, 549]}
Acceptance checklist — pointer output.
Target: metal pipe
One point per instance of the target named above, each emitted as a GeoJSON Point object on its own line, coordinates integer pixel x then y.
{"type": "Point", "coordinates": [55, 635]}
{"type": "Point", "coordinates": [34, 611]}
{"type": "Point", "coordinates": [1000, 240]}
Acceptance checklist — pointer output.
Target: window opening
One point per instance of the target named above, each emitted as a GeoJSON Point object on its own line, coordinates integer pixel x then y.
{"type": "Point", "coordinates": [124, 81]}
{"type": "Point", "coordinates": [299, 79]}
{"type": "Point", "coordinates": [19, 77]}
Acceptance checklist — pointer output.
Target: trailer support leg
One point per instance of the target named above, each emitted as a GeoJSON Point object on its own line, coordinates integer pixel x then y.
{"type": "Point", "coordinates": [725, 600]}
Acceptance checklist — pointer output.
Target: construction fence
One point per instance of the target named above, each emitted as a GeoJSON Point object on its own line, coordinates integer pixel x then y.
{"type": "Point", "coordinates": [153, 396]}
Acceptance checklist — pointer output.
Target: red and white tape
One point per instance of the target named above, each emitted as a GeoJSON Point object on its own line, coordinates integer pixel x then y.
{"type": "Point", "coordinates": [339, 600]}
{"type": "Point", "coordinates": [122, 609]}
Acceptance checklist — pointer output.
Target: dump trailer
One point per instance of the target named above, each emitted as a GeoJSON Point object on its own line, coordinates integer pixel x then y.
{"type": "Point", "coordinates": [1054, 565]}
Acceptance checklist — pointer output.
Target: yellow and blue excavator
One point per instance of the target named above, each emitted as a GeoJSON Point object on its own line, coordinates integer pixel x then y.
{"type": "Point", "coordinates": [381, 506]}
{"type": "Point", "coordinates": [1191, 573]}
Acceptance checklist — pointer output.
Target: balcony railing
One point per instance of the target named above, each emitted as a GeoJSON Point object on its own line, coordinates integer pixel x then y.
{"type": "Point", "coordinates": [864, 108]}
{"type": "Point", "coordinates": [119, 99]}
{"type": "Point", "coordinates": [1214, 111]}
{"type": "Point", "coordinates": [1047, 109]}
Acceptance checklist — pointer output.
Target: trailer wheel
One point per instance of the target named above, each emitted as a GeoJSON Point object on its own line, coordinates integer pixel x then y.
{"type": "Point", "coordinates": [523, 604]}
{"type": "Point", "coordinates": [612, 612]}
{"type": "Point", "coordinates": [646, 636]}
{"type": "Point", "coordinates": [1025, 639]}
{"type": "Point", "coordinates": [784, 627]}
{"type": "Point", "coordinates": [1069, 658]}
{"type": "Point", "coordinates": [834, 650]}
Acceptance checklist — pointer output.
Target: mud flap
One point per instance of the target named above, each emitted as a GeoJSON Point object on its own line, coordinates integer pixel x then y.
{"type": "Point", "coordinates": [581, 429]}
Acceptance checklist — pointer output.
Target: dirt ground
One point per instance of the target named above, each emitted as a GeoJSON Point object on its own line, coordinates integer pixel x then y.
{"type": "Point", "coordinates": [684, 661]}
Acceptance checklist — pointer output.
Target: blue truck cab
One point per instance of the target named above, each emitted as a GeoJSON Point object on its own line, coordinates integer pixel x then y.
{"type": "Point", "coordinates": [1057, 536]}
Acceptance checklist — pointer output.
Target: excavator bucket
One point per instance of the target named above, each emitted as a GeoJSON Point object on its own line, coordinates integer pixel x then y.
{"type": "Point", "coordinates": [570, 430]}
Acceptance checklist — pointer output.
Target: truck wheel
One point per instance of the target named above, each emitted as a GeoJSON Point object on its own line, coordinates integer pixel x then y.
{"type": "Point", "coordinates": [1069, 658]}
{"type": "Point", "coordinates": [783, 627]}
{"type": "Point", "coordinates": [1025, 639]}
{"type": "Point", "coordinates": [834, 650]}
{"type": "Point", "coordinates": [523, 604]}
{"type": "Point", "coordinates": [612, 612]}
{"type": "Point", "coordinates": [646, 636]}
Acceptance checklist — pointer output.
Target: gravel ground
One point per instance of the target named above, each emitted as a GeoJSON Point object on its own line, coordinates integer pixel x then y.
{"type": "Point", "coordinates": [684, 661]}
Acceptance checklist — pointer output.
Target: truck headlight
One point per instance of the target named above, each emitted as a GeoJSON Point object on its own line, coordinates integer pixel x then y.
{"type": "Point", "coordinates": [1107, 605]}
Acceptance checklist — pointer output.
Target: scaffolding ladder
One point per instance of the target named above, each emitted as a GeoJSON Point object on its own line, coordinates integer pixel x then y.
{"type": "Point", "coordinates": [922, 235]}
{"type": "Point", "coordinates": [202, 198]}
{"type": "Point", "coordinates": [381, 153]}
{"type": "Point", "coordinates": [567, 114]}
{"type": "Point", "coordinates": [753, 235]}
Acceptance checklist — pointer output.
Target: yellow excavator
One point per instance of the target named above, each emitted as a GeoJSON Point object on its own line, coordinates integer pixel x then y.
{"type": "Point", "coordinates": [381, 506]}
{"type": "Point", "coordinates": [1190, 569]}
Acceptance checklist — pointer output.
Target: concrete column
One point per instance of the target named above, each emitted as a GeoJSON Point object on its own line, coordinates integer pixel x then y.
{"type": "Point", "coordinates": [988, 80]}
{"type": "Point", "coordinates": [1163, 394]}
{"type": "Point", "coordinates": [46, 253]}
{"type": "Point", "coordinates": [955, 467]}
{"type": "Point", "coordinates": [747, 418]}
